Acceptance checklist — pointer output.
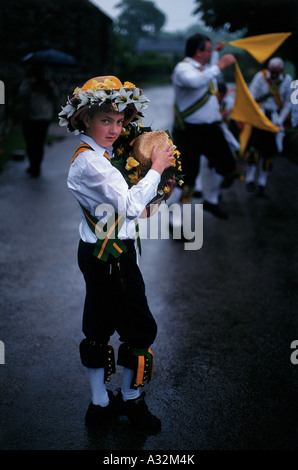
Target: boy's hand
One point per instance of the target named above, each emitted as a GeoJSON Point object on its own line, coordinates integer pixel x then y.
{"type": "Point", "coordinates": [161, 159]}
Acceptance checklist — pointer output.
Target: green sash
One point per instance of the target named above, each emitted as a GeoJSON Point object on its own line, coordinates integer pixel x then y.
{"type": "Point", "coordinates": [111, 244]}
{"type": "Point", "coordinates": [181, 115]}
{"type": "Point", "coordinates": [273, 91]}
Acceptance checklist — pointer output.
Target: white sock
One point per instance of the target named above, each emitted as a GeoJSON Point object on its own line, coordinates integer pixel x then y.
{"type": "Point", "coordinates": [211, 182]}
{"type": "Point", "coordinates": [263, 175]}
{"type": "Point", "coordinates": [99, 392]}
{"type": "Point", "coordinates": [127, 392]}
{"type": "Point", "coordinates": [250, 173]}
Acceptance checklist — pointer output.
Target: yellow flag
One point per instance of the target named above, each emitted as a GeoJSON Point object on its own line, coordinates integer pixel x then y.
{"type": "Point", "coordinates": [244, 138]}
{"type": "Point", "coordinates": [247, 110]}
{"type": "Point", "coordinates": [261, 47]}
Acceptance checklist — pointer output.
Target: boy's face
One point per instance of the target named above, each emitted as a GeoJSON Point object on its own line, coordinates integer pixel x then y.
{"type": "Point", "coordinates": [104, 127]}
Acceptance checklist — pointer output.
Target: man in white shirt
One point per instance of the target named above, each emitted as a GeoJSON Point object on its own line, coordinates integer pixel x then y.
{"type": "Point", "coordinates": [271, 89]}
{"type": "Point", "coordinates": [197, 128]}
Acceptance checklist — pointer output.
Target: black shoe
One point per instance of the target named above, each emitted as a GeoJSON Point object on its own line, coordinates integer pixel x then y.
{"type": "Point", "coordinates": [261, 192]}
{"type": "Point", "coordinates": [197, 194]}
{"type": "Point", "coordinates": [215, 210]}
{"type": "Point", "coordinates": [97, 414]}
{"type": "Point", "coordinates": [229, 179]}
{"type": "Point", "coordinates": [34, 172]}
{"type": "Point", "coordinates": [138, 413]}
{"type": "Point", "coordinates": [251, 187]}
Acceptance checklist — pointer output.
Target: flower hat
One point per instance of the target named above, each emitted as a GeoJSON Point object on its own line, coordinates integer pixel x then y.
{"type": "Point", "coordinates": [125, 98]}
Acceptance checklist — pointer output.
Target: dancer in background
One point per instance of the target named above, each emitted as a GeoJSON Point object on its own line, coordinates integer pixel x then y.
{"type": "Point", "coordinates": [271, 89]}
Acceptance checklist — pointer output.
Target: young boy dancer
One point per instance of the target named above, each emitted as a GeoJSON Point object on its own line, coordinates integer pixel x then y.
{"type": "Point", "coordinates": [115, 293]}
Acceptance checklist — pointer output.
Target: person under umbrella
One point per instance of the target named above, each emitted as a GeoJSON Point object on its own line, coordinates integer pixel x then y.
{"type": "Point", "coordinates": [39, 98]}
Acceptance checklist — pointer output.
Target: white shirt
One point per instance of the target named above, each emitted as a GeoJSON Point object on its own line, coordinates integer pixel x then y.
{"type": "Point", "coordinates": [94, 181]}
{"type": "Point", "coordinates": [259, 87]}
{"type": "Point", "coordinates": [191, 81]}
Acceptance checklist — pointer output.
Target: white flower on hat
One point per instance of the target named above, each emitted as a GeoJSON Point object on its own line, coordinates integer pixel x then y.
{"type": "Point", "coordinates": [63, 121]}
{"type": "Point", "coordinates": [84, 99]}
{"type": "Point", "coordinates": [99, 95]}
{"type": "Point", "coordinates": [122, 98]}
{"type": "Point", "coordinates": [140, 101]}
{"type": "Point", "coordinates": [68, 110]}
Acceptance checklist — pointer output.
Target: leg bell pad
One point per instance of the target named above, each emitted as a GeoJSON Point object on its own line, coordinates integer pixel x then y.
{"type": "Point", "coordinates": [96, 355]}
{"type": "Point", "coordinates": [139, 360]}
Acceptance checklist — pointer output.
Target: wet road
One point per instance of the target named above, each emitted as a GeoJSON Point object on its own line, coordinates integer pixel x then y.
{"type": "Point", "coordinates": [227, 315]}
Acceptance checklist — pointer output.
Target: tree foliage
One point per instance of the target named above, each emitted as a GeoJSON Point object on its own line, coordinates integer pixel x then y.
{"type": "Point", "coordinates": [139, 18]}
{"type": "Point", "coordinates": [257, 16]}
{"type": "Point", "coordinates": [254, 16]}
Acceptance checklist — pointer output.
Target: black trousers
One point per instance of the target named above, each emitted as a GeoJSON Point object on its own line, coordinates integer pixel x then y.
{"type": "Point", "coordinates": [115, 298]}
{"type": "Point", "coordinates": [35, 133]}
{"type": "Point", "coordinates": [203, 139]}
{"type": "Point", "coordinates": [263, 142]}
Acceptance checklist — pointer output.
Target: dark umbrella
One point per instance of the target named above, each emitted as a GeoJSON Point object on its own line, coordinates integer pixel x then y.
{"type": "Point", "coordinates": [50, 56]}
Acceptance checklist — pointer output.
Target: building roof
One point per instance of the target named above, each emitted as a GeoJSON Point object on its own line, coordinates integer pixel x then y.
{"type": "Point", "coordinates": [175, 45]}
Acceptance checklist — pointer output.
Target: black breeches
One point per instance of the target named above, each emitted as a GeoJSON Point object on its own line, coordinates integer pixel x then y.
{"type": "Point", "coordinates": [203, 139]}
{"type": "Point", "coordinates": [263, 142]}
{"type": "Point", "coordinates": [115, 298]}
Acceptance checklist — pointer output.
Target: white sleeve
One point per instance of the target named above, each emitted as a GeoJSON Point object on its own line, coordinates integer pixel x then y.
{"type": "Point", "coordinates": [286, 99]}
{"type": "Point", "coordinates": [255, 87]}
{"type": "Point", "coordinates": [190, 77]}
{"type": "Point", "coordinates": [97, 182]}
